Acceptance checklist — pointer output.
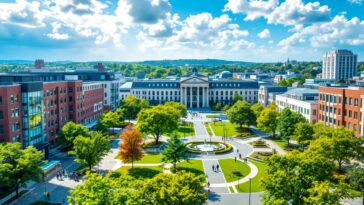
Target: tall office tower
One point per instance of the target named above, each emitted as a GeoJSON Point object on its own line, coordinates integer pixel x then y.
{"type": "Point", "coordinates": [339, 65]}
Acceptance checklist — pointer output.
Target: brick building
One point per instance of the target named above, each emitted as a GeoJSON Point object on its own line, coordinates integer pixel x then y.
{"type": "Point", "coordinates": [341, 106]}
{"type": "Point", "coordinates": [33, 112]}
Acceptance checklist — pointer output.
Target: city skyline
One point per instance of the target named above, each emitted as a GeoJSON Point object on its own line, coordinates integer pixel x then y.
{"type": "Point", "coordinates": [125, 30]}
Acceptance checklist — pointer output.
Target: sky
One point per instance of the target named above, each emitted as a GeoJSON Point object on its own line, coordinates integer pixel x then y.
{"type": "Point", "coordinates": [137, 30]}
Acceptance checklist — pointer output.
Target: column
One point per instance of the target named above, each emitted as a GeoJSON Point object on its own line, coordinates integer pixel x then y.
{"type": "Point", "coordinates": [203, 97]}
{"type": "Point", "coordinates": [198, 97]}
{"type": "Point", "coordinates": [207, 97]}
{"type": "Point", "coordinates": [191, 97]}
{"type": "Point", "coordinates": [181, 95]}
{"type": "Point", "coordinates": [185, 95]}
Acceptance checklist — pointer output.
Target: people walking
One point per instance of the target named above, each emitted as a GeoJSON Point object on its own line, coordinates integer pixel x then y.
{"type": "Point", "coordinates": [208, 184]}
{"type": "Point", "coordinates": [57, 176]}
{"type": "Point", "coordinates": [235, 159]}
{"type": "Point", "coordinates": [213, 167]}
{"type": "Point", "coordinates": [217, 167]}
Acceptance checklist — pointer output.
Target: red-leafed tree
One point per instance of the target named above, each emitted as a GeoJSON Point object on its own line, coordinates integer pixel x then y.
{"type": "Point", "coordinates": [131, 145]}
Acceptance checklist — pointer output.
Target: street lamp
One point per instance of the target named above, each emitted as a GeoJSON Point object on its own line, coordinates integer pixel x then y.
{"type": "Point", "coordinates": [250, 188]}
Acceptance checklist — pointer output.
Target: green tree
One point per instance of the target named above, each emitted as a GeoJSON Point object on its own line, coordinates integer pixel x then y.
{"type": "Point", "coordinates": [356, 178]}
{"type": "Point", "coordinates": [321, 130]}
{"type": "Point", "coordinates": [287, 123]}
{"type": "Point", "coordinates": [241, 114]}
{"type": "Point", "coordinates": [179, 107]}
{"type": "Point", "coordinates": [303, 133]}
{"type": "Point", "coordinates": [90, 150]}
{"type": "Point", "coordinates": [323, 193]}
{"type": "Point", "coordinates": [97, 190]}
{"type": "Point", "coordinates": [70, 131]}
{"type": "Point", "coordinates": [174, 151]}
{"type": "Point", "coordinates": [108, 120]}
{"type": "Point", "coordinates": [268, 119]}
{"type": "Point", "coordinates": [257, 108]}
{"type": "Point", "coordinates": [132, 105]}
{"type": "Point", "coordinates": [17, 165]}
{"type": "Point", "coordinates": [157, 121]}
{"type": "Point", "coordinates": [341, 147]}
{"type": "Point", "coordinates": [178, 189]}
{"type": "Point", "coordinates": [295, 178]}
{"type": "Point", "coordinates": [237, 97]}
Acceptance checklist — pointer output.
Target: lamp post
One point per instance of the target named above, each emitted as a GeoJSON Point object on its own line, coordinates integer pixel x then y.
{"type": "Point", "coordinates": [250, 188]}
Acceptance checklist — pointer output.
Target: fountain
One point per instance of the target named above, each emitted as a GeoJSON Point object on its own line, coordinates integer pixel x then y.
{"type": "Point", "coordinates": [207, 147]}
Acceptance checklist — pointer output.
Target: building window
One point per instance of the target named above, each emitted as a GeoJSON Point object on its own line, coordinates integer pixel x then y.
{"type": "Point", "coordinates": [356, 102]}
{"type": "Point", "coordinates": [1, 115]}
{"type": "Point", "coordinates": [1, 100]}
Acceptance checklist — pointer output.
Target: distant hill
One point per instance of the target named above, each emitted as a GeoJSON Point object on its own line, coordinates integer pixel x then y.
{"type": "Point", "coordinates": [193, 62]}
{"type": "Point", "coordinates": [16, 62]}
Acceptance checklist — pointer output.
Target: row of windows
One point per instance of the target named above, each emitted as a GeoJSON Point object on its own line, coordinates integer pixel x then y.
{"type": "Point", "coordinates": [337, 99]}
{"type": "Point", "coordinates": [296, 108]}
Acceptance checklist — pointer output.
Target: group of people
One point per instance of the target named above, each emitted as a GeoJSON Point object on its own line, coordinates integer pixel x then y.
{"type": "Point", "coordinates": [195, 115]}
{"type": "Point", "coordinates": [63, 174]}
{"type": "Point", "coordinates": [215, 168]}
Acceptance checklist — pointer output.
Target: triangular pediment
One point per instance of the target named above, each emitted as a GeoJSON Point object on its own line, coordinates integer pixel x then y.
{"type": "Point", "coordinates": [194, 80]}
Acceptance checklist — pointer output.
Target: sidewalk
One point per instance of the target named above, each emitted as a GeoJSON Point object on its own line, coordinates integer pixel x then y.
{"type": "Point", "coordinates": [214, 177]}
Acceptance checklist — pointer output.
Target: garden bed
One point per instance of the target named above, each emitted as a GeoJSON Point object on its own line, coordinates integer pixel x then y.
{"type": "Point", "coordinates": [259, 144]}
{"type": "Point", "coordinates": [261, 156]}
{"type": "Point", "coordinates": [152, 144]}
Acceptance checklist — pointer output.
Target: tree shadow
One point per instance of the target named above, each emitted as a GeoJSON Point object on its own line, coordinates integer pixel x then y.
{"type": "Point", "coordinates": [143, 172]}
{"type": "Point", "coordinates": [191, 170]}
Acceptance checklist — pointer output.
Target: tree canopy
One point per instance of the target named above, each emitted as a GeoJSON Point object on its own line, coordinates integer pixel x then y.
{"type": "Point", "coordinates": [268, 119]}
{"type": "Point", "coordinates": [108, 120]}
{"type": "Point", "coordinates": [90, 150]}
{"type": "Point", "coordinates": [257, 108]}
{"type": "Point", "coordinates": [70, 131]}
{"type": "Point", "coordinates": [174, 151]}
{"type": "Point", "coordinates": [303, 133]}
{"type": "Point", "coordinates": [287, 123]}
{"type": "Point", "coordinates": [241, 114]}
{"type": "Point", "coordinates": [157, 120]}
{"type": "Point", "coordinates": [181, 189]}
{"type": "Point", "coordinates": [132, 105]}
{"type": "Point", "coordinates": [17, 165]}
{"type": "Point", "coordinates": [178, 106]}
{"type": "Point", "coordinates": [131, 146]}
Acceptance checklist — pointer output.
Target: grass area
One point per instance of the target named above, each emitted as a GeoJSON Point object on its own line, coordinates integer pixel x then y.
{"type": "Point", "coordinates": [231, 189]}
{"type": "Point", "coordinates": [212, 116]}
{"type": "Point", "coordinates": [231, 129]}
{"type": "Point", "coordinates": [150, 159]}
{"type": "Point", "coordinates": [355, 193]}
{"type": "Point", "coordinates": [280, 142]}
{"type": "Point", "coordinates": [140, 172]}
{"type": "Point", "coordinates": [186, 130]}
{"type": "Point", "coordinates": [208, 129]}
{"type": "Point", "coordinates": [229, 165]}
{"type": "Point", "coordinates": [255, 182]}
{"type": "Point", "coordinates": [193, 166]}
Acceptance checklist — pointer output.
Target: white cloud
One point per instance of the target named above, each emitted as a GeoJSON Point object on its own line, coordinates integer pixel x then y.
{"type": "Point", "coordinates": [289, 12]}
{"type": "Point", "coordinates": [22, 13]}
{"type": "Point", "coordinates": [143, 11]}
{"type": "Point", "coordinates": [264, 34]}
{"type": "Point", "coordinates": [56, 32]}
{"type": "Point", "coordinates": [359, 2]}
{"type": "Point", "coordinates": [339, 31]}
{"type": "Point", "coordinates": [253, 9]}
{"type": "Point", "coordinates": [200, 31]}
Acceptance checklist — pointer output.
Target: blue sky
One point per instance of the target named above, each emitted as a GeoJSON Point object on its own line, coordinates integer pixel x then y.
{"type": "Point", "coordinates": [134, 30]}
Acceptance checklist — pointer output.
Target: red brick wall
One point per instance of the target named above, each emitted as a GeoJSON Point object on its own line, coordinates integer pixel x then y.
{"type": "Point", "coordinates": [6, 106]}
{"type": "Point", "coordinates": [342, 110]}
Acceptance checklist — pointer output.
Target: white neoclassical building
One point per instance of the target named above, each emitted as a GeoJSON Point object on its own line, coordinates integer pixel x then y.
{"type": "Point", "coordinates": [192, 90]}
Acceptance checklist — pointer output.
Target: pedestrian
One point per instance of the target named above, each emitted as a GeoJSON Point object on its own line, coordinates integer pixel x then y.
{"type": "Point", "coordinates": [239, 155]}
{"type": "Point", "coordinates": [48, 195]}
{"type": "Point", "coordinates": [235, 159]}
{"type": "Point", "coordinates": [57, 176]}
{"type": "Point", "coordinates": [63, 172]}
{"type": "Point", "coordinates": [217, 167]}
{"type": "Point", "coordinates": [213, 167]}
{"type": "Point", "coordinates": [237, 151]}
{"type": "Point", "coordinates": [208, 184]}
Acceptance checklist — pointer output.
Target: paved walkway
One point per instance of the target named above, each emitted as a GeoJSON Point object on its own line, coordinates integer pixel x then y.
{"type": "Point", "coordinates": [200, 130]}
{"type": "Point", "coordinates": [214, 177]}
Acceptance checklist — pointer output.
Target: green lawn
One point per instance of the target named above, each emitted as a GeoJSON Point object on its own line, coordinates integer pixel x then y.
{"type": "Point", "coordinates": [150, 159]}
{"type": "Point", "coordinates": [255, 184]}
{"type": "Point", "coordinates": [141, 172]}
{"type": "Point", "coordinates": [193, 166]}
{"type": "Point", "coordinates": [212, 116]}
{"type": "Point", "coordinates": [231, 129]}
{"type": "Point", "coordinates": [208, 129]}
{"type": "Point", "coordinates": [228, 165]}
{"type": "Point", "coordinates": [186, 130]}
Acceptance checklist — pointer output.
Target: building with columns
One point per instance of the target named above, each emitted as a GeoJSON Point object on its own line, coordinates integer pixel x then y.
{"type": "Point", "coordinates": [193, 90]}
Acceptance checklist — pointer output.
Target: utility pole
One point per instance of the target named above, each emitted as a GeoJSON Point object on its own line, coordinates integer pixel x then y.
{"type": "Point", "coordinates": [250, 188]}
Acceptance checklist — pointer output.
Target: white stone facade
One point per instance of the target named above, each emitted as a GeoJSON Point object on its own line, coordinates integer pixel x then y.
{"type": "Point", "coordinates": [339, 65]}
